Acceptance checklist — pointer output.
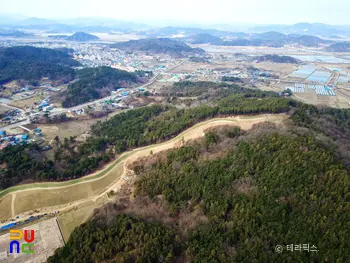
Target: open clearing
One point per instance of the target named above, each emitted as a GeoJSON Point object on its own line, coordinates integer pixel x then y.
{"type": "Point", "coordinates": [46, 197]}
{"type": "Point", "coordinates": [66, 129]}
{"type": "Point", "coordinates": [73, 218]}
{"type": "Point", "coordinates": [26, 102]}
{"type": "Point", "coordinates": [75, 127]}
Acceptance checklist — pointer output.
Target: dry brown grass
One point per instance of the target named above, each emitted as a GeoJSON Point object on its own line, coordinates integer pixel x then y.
{"type": "Point", "coordinates": [51, 197]}
{"type": "Point", "coordinates": [5, 203]}
{"type": "Point", "coordinates": [76, 216]}
{"type": "Point", "coordinates": [150, 209]}
{"type": "Point", "coordinates": [26, 102]}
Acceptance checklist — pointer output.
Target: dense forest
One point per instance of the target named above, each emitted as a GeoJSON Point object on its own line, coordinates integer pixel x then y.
{"type": "Point", "coordinates": [125, 239]}
{"type": "Point", "coordinates": [95, 83]}
{"type": "Point", "coordinates": [22, 165]}
{"type": "Point", "coordinates": [258, 189]}
{"type": "Point", "coordinates": [333, 124]}
{"type": "Point", "coordinates": [271, 189]}
{"type": "Point", "coordinates": [32, 64]}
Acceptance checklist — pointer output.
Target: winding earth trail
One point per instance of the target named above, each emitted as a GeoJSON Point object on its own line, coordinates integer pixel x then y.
{"type": "Point", "coordinates": [56, 196]}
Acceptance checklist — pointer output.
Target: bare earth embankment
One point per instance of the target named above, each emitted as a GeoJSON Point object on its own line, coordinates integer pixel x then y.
{"type": "Point", "coordinates": [88, 192]}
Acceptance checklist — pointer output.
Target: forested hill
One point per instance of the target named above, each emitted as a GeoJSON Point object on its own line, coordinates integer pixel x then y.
{"type": "Point", "coordinates": [95, 83]}
{"type": "Point", "coordinates": [272, 39]}
{"type": "Point", "coordinates": [232, 196]}
{"type": "Point", "coordinates": [339, 47]}
{"type": "Point", "coordinates": [276, 59]}
{"type": "Point", "coordinates": [81, 37]}
{"type": "Point", "coordinates": [31, 64]}
{"type": "Point", "coordinates": [168, 46]}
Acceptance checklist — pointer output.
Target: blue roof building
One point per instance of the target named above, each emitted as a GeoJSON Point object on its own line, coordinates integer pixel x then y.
{"type": "Point", "coordinates": [8, 226]}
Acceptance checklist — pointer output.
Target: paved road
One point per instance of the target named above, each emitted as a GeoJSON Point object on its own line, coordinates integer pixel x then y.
{"type": "Point", "coordinates": [14, 125]}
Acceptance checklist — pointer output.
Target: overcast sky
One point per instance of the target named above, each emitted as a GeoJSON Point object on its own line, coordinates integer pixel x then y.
{"type": "Point", "coordinates": [199, 11]}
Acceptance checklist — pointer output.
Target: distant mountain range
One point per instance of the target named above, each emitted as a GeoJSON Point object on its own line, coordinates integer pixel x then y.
{"type": "Point", "coordinates": [168, 46]}
{"type": "Point", "coordinates": [96, 24]}
{"type": "Point", "coordinates": [187, 31]}
{"type": "Point", "coordinates": [14, 33]}
{"type": "Point", "coordinates": [272, 39]}
{"type": "Point", "coordinates": [303, 34]}
{"type": "Point", "coordinates": [315, 29]}
{"type": "Point", "coordinates": [69, 25]}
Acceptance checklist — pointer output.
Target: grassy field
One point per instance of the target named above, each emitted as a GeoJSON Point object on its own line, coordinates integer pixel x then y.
{"type": "Point", "coordinates": [67, 129]}
{"type": "Point", "coordinates": [71, 128]}
{"type": "Point", "coordinates": [26, 102]}
{"type": "Point", "coordinates": [36, 199]}
{"type": "Point", "coordinates": [71, 219]}
{"type": "Point", "coordinates": [5, 204]}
